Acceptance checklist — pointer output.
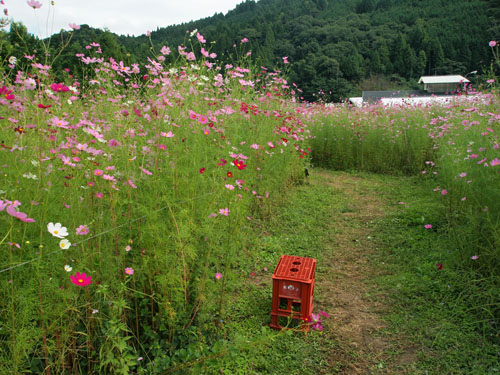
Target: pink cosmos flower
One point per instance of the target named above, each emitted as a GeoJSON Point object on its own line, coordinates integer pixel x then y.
{"type": "Point", "coordinates": [37, 5]}
{"type": "Point", "coordinates": [60, 123]}
{"type": "Point", "coordinates": [474, 257]}
{"type": "Point", "coordinates": [74, 26]}
{"type": "Point", "coordinates": [81, 279]}
{"type": "Point", "coordinates": [82, 230]}
{"type": "Point", "coordinates": [244, 40]}
{"type": "Point", "coordinates": [107, 177]}
{"type": "Point", "coordinates": [229, 187]}
{"type": "Point", "coordinates": [144, 170]}
{"type": "Point", "coordinates": [200, 38]}
{"type": "Point", "coordinates": [444, 191]}
{"type": "Point", "coordinates": [218, 275]}
{"type": "Point", "coordinates": [129, 271]}
{"type": "Point", "coordinates": [316, 322]}
{"type": "Point", "coordinates": [165, 50]}
{"type": "Point", "coordinates": [29, 84]}
{"type": "Point", "coordinates": [98, 172]}
{"type": "Point", "coordinates": [255, 146]}
{"type": "Point", "coordinates": [492, 43]}
{"type": "Point", "coordinates": [19, 215]}
{"type": "Point", "coordinates": [167, 135]}
{"type": "Point", "coordinates": [428, 226]}
{"type": "Point", "coordinates": [10, 208]}
{"type": "Point", "coordinates": [202, 119]}
{"type": "Point", "coordinates": [224, 211]}
{"type": "Point", "coordinates": [99, 195]}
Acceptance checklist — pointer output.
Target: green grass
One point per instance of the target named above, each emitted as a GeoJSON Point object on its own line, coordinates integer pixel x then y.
{"type": "Point", "coordinates": [431, 313]}
{"type": "Point", "coordinates": [438, 311]}
{"type": "Point", "coordinates": [296, 226]}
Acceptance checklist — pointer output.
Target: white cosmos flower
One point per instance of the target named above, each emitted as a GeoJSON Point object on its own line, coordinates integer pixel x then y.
{"type": "Point", "coordinates": [68, 268]}
{"type": "Point", "coordinates": [57, 230]}
{"type": "Point", "coordinates": [64, 244]}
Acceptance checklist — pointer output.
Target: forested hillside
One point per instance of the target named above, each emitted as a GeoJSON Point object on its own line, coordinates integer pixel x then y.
{"type": "Point", "coordinates": [338, 47]}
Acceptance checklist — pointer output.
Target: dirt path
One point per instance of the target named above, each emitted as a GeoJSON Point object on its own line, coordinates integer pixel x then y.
{"type": "Point", "coordinates": [345, 288]}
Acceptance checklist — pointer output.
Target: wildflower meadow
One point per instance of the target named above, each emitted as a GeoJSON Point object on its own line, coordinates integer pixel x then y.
{"type": "Point", "coordinates": [126, 197]}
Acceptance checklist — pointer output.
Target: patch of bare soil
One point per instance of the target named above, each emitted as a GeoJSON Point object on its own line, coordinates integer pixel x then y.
{"type": "Point", "coordinates": [345, 289]}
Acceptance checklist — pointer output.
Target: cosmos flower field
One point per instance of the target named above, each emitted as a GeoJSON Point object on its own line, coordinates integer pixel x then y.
{"type": "Point", "coordinates": [125, 197]}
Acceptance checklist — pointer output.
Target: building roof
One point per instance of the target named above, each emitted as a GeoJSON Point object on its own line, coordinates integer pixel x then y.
{"type": "Point", "coordinates": [443, 79]}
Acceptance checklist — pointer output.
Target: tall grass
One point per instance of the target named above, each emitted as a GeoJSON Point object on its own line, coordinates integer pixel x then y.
{"type": "Point", "coordinates": [374, 139]}
{"type": "Point", "coordinates": [454, 148]}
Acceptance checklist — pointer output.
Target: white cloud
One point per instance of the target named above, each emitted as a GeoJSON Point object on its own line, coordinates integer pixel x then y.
{"type": "Point", "coordinates": [122, 17]}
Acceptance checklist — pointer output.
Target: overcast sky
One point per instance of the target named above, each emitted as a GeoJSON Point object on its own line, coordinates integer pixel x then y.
{"type": "Point", "coordinates": [133, 17]}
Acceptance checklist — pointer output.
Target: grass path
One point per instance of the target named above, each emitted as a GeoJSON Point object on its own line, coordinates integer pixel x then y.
{"type": "Point", "coordinates": [345, 283]}
{"type": "Point", "coordinates": [392, 310]}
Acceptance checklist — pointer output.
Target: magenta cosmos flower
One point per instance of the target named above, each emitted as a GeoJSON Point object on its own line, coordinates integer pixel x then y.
{"type": "Point", "coordinates": [492, 43]}
{"type": "Point", "coordinates": [59, 87]}
{"type": "Point", "coordinates": [81, 279]}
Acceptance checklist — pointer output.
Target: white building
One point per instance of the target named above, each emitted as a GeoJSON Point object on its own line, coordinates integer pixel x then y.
{"type": "Point", "coordinates": [437, 89]}
{"type": "Point", "coordinates": [443, 84]}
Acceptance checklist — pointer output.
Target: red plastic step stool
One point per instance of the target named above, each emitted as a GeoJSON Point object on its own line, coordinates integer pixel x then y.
{"type": "Point", "coordinates": [293, 289]}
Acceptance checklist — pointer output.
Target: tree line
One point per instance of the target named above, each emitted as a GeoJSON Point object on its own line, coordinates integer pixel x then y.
{"type": "Point", "coordinates": [336, 48]}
